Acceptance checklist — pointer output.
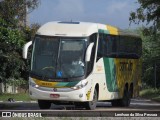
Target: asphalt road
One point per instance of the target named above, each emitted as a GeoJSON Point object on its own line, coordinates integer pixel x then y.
{"type": "Point", "coordinates": [139, 107]}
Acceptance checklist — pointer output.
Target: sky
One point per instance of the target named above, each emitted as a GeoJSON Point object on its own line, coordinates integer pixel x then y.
{"type": "Point", "coordinates": [113, 12]}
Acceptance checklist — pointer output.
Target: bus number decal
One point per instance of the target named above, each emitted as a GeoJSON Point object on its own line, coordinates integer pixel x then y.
{"type": "Point", "coordinates": [46, 84]}
{"type": "Point", "coordinates": [126, 66]}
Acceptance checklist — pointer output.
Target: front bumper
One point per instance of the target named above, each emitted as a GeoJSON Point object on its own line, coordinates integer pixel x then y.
{"type": "Point", "coordinates": [65, 94]}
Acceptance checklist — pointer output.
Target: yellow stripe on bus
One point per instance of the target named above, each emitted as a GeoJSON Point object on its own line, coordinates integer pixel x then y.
{"type": "Point", "coordinates": [112, 30]}
{"type": "Point", "coordinates": [45, 84]}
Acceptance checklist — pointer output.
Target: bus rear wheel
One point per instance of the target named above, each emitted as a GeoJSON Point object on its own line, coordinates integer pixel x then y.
{"type": "Point", "coordinates": [125, 101]}
{"type": "Point", "coordinates": [44, 104]}
{"type": "Point", "coordinates": [116, 103]}
{"type": "Point", "coordinates": [91, 105]}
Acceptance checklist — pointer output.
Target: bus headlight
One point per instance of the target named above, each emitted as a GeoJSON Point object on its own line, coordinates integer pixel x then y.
{"type": "Point", "coordinates": [80, 86]}
{"type": "Point", "coordinates": [33, 84]}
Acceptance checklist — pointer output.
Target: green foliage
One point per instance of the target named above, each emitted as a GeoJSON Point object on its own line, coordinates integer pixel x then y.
{"type": "Point", "coordinates": [13, 35]}
{"type": "Point", "coordinates": [16, 82]}
{"type": "Point", "coordinates": [150, 56]}
{"type": "Point", "coordinates": [15, 10]}
{"type": "Point", "coordinates": [11, 43]}
{"type": "Point", "coordinates": [149, 12]}
{"type": "Point", "coordinates": [150, 94]}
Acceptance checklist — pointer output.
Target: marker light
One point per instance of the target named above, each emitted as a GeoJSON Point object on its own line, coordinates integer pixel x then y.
{"type": "Point", "coordinates": [33, 84]}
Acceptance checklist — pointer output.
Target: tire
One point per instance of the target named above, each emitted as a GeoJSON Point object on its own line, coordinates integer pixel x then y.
{"type": "Point", "coordinates": [125, 101]}
{"type": "Point", "coordinates": [131, 93]}
{"type": "Point", "coordinates": [116, 103]}
{"type": "Point", "coordinates": [91, 105]}
{"type": "Point", "coordinates": [44, 104]}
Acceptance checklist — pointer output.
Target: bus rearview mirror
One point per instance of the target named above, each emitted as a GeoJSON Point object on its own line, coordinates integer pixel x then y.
{"type": "Point", "coordinates": [25, 49]}
{"type": "Point", "coordinates": [88, 52]}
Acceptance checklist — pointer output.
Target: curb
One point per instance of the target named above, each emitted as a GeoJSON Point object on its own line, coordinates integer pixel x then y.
{"type": "Point", "coordinates": [155, 100]}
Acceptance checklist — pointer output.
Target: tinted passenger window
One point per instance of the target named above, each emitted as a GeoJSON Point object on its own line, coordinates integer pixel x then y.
{"type": "Point", "coordinates": [119, 46]}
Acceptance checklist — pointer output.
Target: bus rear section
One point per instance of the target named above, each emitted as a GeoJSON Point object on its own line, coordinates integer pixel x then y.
{"type": "Point", "coordinates": [119, 57]}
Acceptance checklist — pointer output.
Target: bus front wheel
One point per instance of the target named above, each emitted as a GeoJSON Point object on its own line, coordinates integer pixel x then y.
{"type": "Point", "coordinates": [91, 105]}
{"type": "Point", "coordinates": [124, 102]}
{"type": "Point", "coordinates": [116, 103]}
{"type": "Point", "coordinates": [44, 104]}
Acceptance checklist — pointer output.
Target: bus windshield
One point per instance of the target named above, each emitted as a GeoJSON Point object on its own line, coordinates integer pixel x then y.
{"type": "Point", "coordinates": [55, 57]}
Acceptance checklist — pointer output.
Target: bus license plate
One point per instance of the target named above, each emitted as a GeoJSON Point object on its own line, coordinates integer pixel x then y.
{"type": "Point", "coordinates": [54, 95]}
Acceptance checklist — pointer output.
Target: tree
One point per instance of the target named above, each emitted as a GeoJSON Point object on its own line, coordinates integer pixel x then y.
{"type": "Point", "coordinates": [149, 13]}
{"type": "Point", "coordinates": [148, 58]}
{"type": "Point", "coordinates": [10, 52]}
{"type": "Point", "coordinates": [13, 35]}
{"type": "Point", "coordinates": [16, 10]}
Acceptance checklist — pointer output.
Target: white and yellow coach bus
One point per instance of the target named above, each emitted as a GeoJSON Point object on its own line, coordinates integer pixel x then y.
{"type": "Point", "coordinates": [81, 63]}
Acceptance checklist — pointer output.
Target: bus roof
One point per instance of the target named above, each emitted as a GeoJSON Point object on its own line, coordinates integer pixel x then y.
{"type": "Point", "coordinates": [77, 29]}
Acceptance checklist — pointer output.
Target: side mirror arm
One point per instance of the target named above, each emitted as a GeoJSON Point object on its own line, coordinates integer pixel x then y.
{"type": "Point", "coordinates": [88, 52]}
{"type": "Point", "coordinates": [25, 49]}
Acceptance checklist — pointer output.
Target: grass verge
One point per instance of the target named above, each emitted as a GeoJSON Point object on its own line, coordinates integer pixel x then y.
{"type": "Point", "coordinates": [151, 93]}
{"type": "Point", "coordinates": [16, 97]}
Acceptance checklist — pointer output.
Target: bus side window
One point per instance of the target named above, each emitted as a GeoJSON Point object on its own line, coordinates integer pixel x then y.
{"type": "Point", "coordinates": [111, 49]}
{"type": "Point", "coordinates": [129, 47]}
